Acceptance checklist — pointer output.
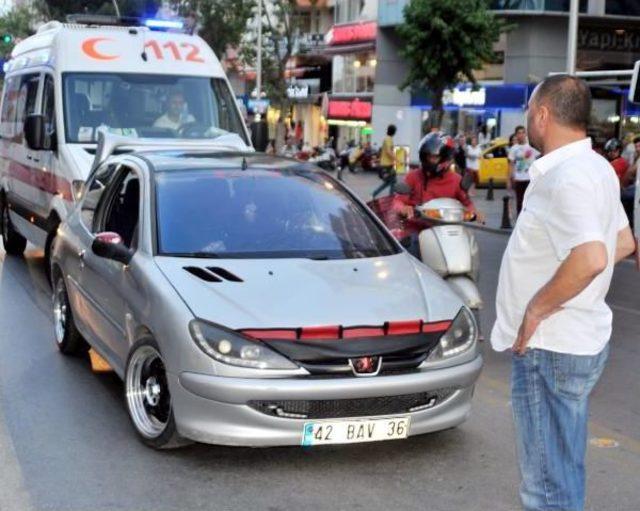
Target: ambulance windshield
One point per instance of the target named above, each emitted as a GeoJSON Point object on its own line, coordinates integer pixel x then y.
{"type": "Point", "coordinates": [149, 106]}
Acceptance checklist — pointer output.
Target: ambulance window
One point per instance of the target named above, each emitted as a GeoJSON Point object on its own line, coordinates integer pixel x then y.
{"type": "Point", "coordinates": [48, 109]}
{"type": "Point", "coordinates": [9, 103]}
{"type": "Point", "coordinates": [27, 96]}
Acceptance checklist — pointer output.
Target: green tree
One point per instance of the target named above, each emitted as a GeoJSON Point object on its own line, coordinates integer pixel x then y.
{"type": "Point", "coordinates": [444, 42]}
{"type": "Point", "coordinates": [221, 23]}
{"type": "Point", "coordinates": [18, 24]}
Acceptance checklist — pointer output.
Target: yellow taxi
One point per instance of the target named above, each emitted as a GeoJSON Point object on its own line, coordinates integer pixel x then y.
{"type": "Point", "coordinates": [494, 163]}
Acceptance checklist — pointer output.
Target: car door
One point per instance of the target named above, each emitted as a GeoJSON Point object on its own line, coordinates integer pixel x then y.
{"type": "Point", "coordinates": [102, 280]}
{"type": "Point", "coordinates": [24, 161]}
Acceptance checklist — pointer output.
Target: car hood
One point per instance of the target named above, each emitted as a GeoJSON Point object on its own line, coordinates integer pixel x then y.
{"type": "Point", "coordinates": [292, 293]}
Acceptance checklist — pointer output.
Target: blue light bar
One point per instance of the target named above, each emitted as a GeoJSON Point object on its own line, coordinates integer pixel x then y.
{"type": "Point", "coordinates": [166, 24]}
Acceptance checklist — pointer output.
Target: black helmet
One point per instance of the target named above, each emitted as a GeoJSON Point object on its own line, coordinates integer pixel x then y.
{"type": "Point", "coordinates": [436, 144]}
{"type": "Point", "coordinates": [613, 144]}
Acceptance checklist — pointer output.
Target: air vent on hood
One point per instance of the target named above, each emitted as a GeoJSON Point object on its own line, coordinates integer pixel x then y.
{"type": "Point", "coordinates": [203, 274]}
{"type": "Point", "coordinates": [225, 274]}
{"type": "Point", "coordinates": [212, 274]}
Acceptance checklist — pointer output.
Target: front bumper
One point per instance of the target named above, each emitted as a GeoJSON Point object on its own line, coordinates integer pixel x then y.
{"type": "Point", "coordinates": [214, 409]}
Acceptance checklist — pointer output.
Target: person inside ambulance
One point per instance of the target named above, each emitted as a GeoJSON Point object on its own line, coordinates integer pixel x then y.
{"type": "Point", "coordinates": [436, 178]}
{"type": "Point", "coordinates": [176, 115]}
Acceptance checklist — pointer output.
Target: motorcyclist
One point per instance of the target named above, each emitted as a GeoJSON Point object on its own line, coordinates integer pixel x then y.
{"type": "Point", "coordinates": [436, 178]}
{"type": "Point", "coordinates": [613, 152]}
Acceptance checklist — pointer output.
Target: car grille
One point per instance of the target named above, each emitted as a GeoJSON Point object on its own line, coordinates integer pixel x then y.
{"type": "Point", "coordinates": [391, 364]}
{"type": "Point", "coordinates": [341, 408]}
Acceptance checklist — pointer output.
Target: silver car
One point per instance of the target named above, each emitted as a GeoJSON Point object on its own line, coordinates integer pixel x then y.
{"type": "Point", "coordinates": [251, 300]}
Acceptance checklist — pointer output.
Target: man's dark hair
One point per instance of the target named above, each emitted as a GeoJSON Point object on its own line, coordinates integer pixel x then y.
{"type": "Point", "coordinates": [518, 128]}
{"type": "Point", "coordinates": [568, 98]}
{"type": "Point", "coordinates": [636, 140]}
{"type": "Point", "coordinates": [391, 130]}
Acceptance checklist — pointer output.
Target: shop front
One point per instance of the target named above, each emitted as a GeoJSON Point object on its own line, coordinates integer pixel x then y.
{"type": "Point", "coordinates": [498, 107]}
{"type": "Point", "coordinates": [349, 120]}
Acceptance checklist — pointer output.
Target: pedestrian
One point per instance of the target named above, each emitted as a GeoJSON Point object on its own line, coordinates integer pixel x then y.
{"type": "Point", "coordinates": [512, 140]}
{"type": "Point", "coordinates": [484, 139]}
{"type": "Point", "coordinates": [460, 155]}
{"type": "Point", "coordinates": [550, 302]}
{"type": "Point", "coordinates": [629, 151]}
{"type": "Point", "coordinates": [387, 163]}
{"type": "Point", "coordinates": [613, 152]}
{"type": "Point", "coordinates": [474, 153]}
{"type": "Point", "coordinates": [521, 156]}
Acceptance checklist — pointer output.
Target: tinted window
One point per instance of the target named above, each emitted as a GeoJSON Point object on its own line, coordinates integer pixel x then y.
{"type": "Point", "coordinates": [154, 106]}
{"type": "Point", "coordinates": [261, 213]}
{"type": "Point", "coordinates": [48, 108]}
{"type": "Point", "coordinates": [121, 214]}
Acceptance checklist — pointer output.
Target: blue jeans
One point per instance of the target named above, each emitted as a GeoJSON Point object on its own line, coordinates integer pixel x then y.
{"type": "Point", "coordinates": [550, 398]}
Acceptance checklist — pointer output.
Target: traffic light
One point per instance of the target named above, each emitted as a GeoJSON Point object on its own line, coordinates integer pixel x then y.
{"type": "Point", "coordinates": [7, 38]}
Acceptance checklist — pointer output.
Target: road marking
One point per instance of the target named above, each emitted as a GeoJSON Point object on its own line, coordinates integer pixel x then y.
{"type": "Point", "coordinates": [604, 443]}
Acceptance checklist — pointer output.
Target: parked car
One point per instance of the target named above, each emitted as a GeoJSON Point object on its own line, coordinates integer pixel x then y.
{"type": "Point", "coordinates": [494, 163]}
{"type": "Point", "coordinates": [253, 300]}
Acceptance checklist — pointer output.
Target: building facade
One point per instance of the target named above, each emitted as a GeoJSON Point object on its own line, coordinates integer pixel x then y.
{"type": "Point", "coordinates": [608, 39]}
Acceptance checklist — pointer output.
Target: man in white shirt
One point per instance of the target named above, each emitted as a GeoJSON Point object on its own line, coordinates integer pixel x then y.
{"type": "Point", "coordinates": [550, 304]}
{"type": "Point", "coordinates": [175, 117]}
{"type": "Point", "coordinates": [521, 156]}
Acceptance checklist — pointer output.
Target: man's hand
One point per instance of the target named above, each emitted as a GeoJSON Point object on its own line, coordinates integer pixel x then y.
{"type": "Point", "coordinates": [530, 323]}
{"type": "Point", "coordinates": [407, 211]}
{"type": "Point", "coordinates": [481, 217]}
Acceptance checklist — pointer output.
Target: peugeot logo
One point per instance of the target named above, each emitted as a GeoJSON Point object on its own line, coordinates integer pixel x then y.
{"type": "Point", "coordinates": [365, 366]}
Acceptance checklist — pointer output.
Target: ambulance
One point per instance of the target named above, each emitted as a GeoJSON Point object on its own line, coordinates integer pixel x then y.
{"type": "Point", "coordinates": [70, 81]}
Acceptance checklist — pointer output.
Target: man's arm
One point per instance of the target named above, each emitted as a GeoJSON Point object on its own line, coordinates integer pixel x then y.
{"type": "Point", "coordinates": [583, 264]}
{"type": "Point", "coordinates": [626, 244]}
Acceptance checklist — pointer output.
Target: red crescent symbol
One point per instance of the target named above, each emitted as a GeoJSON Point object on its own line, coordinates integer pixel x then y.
{"type": "Point", "coordinates": [89, 47]}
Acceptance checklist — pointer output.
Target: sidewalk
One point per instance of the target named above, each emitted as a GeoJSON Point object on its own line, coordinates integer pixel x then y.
{"type": "Point", "coordinates": [364, 183]}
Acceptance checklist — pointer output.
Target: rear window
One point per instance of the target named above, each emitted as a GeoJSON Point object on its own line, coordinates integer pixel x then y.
{"type": "Point", "coordinates": [263, 214]}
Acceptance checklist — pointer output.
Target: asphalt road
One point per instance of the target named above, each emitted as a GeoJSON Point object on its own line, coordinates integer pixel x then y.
{"type": "Point", "coordinates": [66, 443]}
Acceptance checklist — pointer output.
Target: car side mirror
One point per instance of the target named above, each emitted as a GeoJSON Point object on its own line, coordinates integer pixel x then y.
{"type": "Point", "coordinates": [35, 133]}
{"type": "Point", "coordinates": [109, 245]}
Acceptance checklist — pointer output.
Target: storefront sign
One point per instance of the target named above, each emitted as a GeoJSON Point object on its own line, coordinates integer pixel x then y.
{"type": "Point", "coordinates": [513, 96]}
{"type": "Point", "coordinates": [465, 97]}
{"type": "Point", "coordinates": [356, 109]}
{"type": "Point", "coordinates": [295, 91]}
{"type": "Point", "coordinates": [609, 39]}
{"type": "Point", "coordinates": [258, 105]}
{"type": "Point", "coordinates": [349, 34]}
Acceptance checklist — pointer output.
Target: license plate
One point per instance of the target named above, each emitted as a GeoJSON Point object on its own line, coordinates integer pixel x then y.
{"type": "Point", "coordinates": [355, 431]}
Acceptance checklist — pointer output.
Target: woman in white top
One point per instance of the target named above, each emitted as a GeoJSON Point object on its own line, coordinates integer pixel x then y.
{"type": "Point", "coordinates": [474, 152]}
{"type": "Point", "coordinates": [484, 137]}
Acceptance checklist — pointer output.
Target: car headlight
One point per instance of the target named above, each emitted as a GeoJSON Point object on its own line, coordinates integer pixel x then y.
{"type": "Point", "coordinates": [234, 349]}
{"type": "Point", "coordinates": [462, 334]}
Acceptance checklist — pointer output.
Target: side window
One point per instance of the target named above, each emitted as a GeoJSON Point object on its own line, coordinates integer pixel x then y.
{"type": "Point", "coordinates": [48, 109]}
{"type": "Point", "coordinates": [121, 213]}
{"type": "Point", "coordinates": [94, 193]}
{"type": "Point", "coordinates": [9, 106]}
{"type": "Point", "coordinates": [27, 96]}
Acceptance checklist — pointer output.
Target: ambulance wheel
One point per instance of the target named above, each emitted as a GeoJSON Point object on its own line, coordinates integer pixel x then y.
{"type": "Point", "coordinates": [14, 242]}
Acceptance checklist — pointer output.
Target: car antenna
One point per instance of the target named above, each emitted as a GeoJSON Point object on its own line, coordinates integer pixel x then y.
{"type": "Point", "coordinates": [244, 163]}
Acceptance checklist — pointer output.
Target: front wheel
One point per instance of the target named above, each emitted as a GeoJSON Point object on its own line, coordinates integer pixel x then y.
{"type": "Point", "coordinates": [14, 242]}
{"type": "Point", "coordinates": [148, 398]}
{"type": "Point", "coordinates": [68, 338]}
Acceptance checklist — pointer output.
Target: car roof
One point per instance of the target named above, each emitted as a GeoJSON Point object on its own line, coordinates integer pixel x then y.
{"type": "Point", "coordinates": [170, 160]}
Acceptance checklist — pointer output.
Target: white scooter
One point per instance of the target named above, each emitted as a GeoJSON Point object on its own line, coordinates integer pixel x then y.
{"type": "Point", "coordinates": [450, 249]}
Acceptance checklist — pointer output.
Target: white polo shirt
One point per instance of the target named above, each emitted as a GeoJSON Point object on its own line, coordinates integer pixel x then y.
{"type": "Point", "coordinates": [573, 198]}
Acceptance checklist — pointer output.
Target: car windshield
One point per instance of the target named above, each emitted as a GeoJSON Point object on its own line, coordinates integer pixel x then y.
{"type": "Point", "coordinates": [150, 106]}
{"type": "Point", "coordinates": [263, 214]}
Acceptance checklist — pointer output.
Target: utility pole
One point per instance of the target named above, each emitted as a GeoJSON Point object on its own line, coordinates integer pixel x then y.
{"type": "Point", "coordinates": [259, 56]}
{"type": "Point", "coordinates": [572, 37]}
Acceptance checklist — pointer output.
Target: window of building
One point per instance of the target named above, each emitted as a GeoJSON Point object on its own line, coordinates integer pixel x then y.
{"type": "Point", "coordinates": [537, 5]}
{"type": "Point", "coordinates": [354, 73]}
{"type": "Point", "coordinates": [623, 7]}
{"type": "Point", "coordinates": [347, 11]}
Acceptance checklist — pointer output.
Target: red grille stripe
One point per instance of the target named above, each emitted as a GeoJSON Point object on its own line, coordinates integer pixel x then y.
{"type": "Point", "coordinates": [354, 333]}
{"type": "Point", "coordinates": [404, 327]}
{"type": "Point", "coordinates": [320, 332]}
{"type": "Point", "coordinates": [288, 335]}
{"type": "Point", "coordinates": [440, 326]}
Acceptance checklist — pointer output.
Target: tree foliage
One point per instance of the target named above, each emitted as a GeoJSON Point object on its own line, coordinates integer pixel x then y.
{"type": "Point", "coordinates": [445, 41]}
{"type": "Point", "coordinates": [60, 9]}
{"type": "Point", "coordinates": [280, 29]}
{"type": "Point", "coordinates": [19, 23]}
{"type": "Point", "coordinates": [221, 23]}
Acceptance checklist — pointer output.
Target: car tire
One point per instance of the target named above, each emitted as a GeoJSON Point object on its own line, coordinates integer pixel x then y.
{"type": "Point", "coordinates": [67, 337]}
{"type": "Point", "coordinates": [14, 242]}
{"type": "Point", "coordinates": [147, 397]}
{"type": "Point", "coordinates": [47, 254]}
